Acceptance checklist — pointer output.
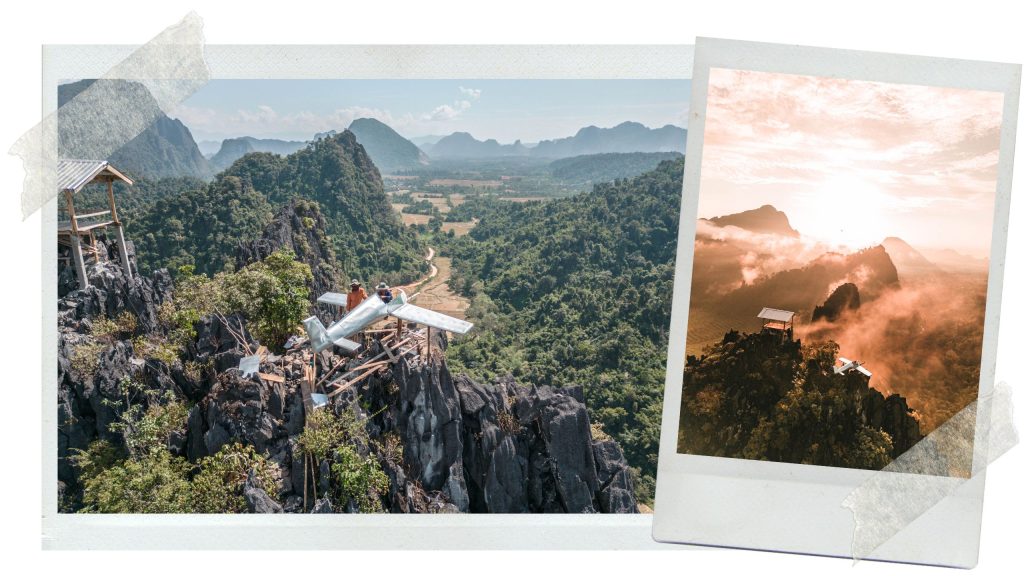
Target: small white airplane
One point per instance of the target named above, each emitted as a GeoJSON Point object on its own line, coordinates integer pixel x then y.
{"type": "Point", "coordinates": [371, 310]}
{"type": "Point", "coordinates": [848, 364]}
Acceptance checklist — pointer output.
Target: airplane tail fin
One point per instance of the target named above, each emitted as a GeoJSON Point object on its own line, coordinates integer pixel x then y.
{"type": "Point", "coordinates": [317, 333]}
{"type": "Point", "coordinates": [320, 340]}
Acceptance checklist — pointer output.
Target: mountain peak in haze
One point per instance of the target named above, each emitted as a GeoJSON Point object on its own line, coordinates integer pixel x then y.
{"type": "Point", "coordinates": [763, 220]}
{"type": "Point", "coordinates": [907, 259]}
{"type": "Point", "coordinates": [389, 150]}
{"type": "Point", "coordinates": [464, 145]}
{"type": "Point", "coordinates": [624, 137]}
{"type": "Point", "coordinates": [232, 149]}
{"type": "Point", "coordinates": [164, 148]}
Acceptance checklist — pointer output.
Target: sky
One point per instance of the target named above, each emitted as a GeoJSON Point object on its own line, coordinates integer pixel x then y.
{"type": "Point", "coordinates": [851, 162]}
{"type": "Point", "coordinates": [506, 110]}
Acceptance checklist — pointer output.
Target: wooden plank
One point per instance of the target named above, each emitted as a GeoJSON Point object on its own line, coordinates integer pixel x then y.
{"type": "Point", "coordinates": [307, 391]}
{"type": "Point", "coordinates": [93, 214]}
{"type": "Point", "coordinates": [391, 355]}
{"type": "Point", "coordinates": [110, 198]}
{"type": "Point", "coordinates": [271, 377]}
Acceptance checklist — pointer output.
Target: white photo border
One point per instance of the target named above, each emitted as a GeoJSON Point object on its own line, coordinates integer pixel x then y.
{"type": "Point", "coordinates": [791, 507]}
{"type": "Point", "coordinates": [336, 531]}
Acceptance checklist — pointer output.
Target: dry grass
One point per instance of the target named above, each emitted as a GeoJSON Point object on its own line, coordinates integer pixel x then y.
{"type": "Point", "coordinates": [521, 198]}
{"type": "Point", "coordinates": [470, 183]}
{"type": "Point", "coordinates": [460, 228]}
{"type": "Point", "coordinates": [410, 219]}
{"type": "Point", "coordinates": [437, 295]}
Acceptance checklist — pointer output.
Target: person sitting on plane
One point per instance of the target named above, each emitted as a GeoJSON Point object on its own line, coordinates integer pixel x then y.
{"type": "Point", "coordinates": [384, 292]}
{"type": "Point", "coordinates": [356, 295]}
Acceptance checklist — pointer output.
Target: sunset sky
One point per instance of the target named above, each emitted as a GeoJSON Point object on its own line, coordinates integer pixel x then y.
{"type": "Point", "coordinates": [851, 162]}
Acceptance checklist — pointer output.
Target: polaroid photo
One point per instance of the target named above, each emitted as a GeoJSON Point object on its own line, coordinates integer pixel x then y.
{"type": "Point", "coordinates": [400, 287]}
{"type": "Point", "coordinates": [836, 302]}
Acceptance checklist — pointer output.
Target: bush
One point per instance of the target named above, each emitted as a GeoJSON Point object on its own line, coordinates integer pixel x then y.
{"type": "Point", "coordinates": [85, 358]}
{"type": "Point", "coordinates": [147, 429]}
{"type": "Point", "coordinates": [359, 479]}
{"type": "Point", "coordinates": [272, 295]}
{"type": "Point", "coordinates": [108, 330]}
{"type": "Point", "coordinates": [155, 484]}
{"type": "Point", "coordinates": [218, 486]}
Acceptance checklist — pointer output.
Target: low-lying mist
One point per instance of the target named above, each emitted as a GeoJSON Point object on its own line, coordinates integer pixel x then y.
{"type": "Point", "coordinates": [921, 340]}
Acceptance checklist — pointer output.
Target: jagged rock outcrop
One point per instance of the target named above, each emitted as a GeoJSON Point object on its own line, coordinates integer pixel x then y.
{"type": "Point", "coordinates": [91, 373]}
{"type": "Point", "coordinates": [455, 445]}
{"type": "Point", "coordinates": [843, 298]}
{"type": "Point", "coordinates": [110, 292]}
{"type": "Point", "coordinates": [506, 448]}
{"type": "Point", "coordinates": [257, 501]}
{"type": "Point", "coordinates": [298, 226]}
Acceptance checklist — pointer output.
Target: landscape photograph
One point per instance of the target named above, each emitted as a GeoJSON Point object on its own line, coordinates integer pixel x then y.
{"type": "Point", "coordinates": [370, 296]}
{"type": "Point", "coordinates": [840, 268]}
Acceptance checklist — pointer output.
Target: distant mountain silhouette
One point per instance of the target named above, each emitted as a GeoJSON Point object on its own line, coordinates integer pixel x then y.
{"type": "Point", "coordinates": [763, 220]}
{"type": "Point", "coordinates": [164, 148]}
{"type": "Point", "coordinates": [626, 137]}
{"type": "Point", "coordinates": [389, 151]}
{"type": "Point", "coordinates": [953, 261]}
{"type": "Point", "coordinates": [464, 145]}
{"type": "Point", "coordinates": [908, 261]}
{"type": "Point", "coordinates": [234, 148]}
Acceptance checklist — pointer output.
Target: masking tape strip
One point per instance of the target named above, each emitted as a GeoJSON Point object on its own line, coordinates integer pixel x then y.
{"type": "Point", "coordinates": [109, 114]}
{"type": "Point", "coordinates": [917, 480]}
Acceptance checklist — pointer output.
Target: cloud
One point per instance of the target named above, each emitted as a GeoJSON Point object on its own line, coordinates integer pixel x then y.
{"type": "Point", "coordinates": [446, 112]}
{"type": "Point", "coordinates": [917, 150]}
{"type": "Point", "coordinates": [264, 121]}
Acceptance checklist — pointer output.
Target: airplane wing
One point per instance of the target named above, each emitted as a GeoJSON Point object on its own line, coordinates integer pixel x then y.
{"type": "Point", "coordinates": [411, 313]}
{"type": "Point", "coordinates": [368, 310]}
{"type": "Point", "coordinates": [845, 360]}
{"type": "Point", "coordinates": [864, 371]}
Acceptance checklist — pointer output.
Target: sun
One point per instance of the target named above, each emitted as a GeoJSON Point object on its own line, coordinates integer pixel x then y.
{"type": "Point", "coordinates": [848, 212]}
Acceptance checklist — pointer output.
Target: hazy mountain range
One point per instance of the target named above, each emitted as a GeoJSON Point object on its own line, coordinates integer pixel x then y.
{"type": "Point", "coordinates": [234, 148]}
{"type": "Point", "coordinates": [755, 258]}
{"type": "Point", "coordinates": [626, 137]}
{"type": "Point", "coordinates": [167, 148]}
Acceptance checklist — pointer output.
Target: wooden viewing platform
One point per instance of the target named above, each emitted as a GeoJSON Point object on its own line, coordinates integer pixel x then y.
{"type": "Point", "coordinates": [72, 177]}
{"type": "Point", "coordinates": [775, 320]}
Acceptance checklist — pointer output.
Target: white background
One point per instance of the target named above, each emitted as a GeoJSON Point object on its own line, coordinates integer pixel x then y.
{"type": "Point", "coordinates": [971, 30]}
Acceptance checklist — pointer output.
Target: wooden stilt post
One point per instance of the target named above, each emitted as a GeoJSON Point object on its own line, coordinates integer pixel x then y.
{"type": "Point", "coordinates": [76, 243]}
{"type": "Point", "coordinates": [122, 248]}
{"type": "Point", "coordinates": [428, 344]}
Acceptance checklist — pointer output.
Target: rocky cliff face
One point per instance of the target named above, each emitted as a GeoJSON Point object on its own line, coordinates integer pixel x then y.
{"type": "Point", "coordinates": [90, 373]}
{"type": "Point", "coordinates": [299, 227]}
{"type": "Point", "coordinates": [843, 298]}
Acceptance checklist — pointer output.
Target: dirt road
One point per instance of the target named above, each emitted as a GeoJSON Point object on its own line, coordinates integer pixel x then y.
{"type": "Point", "coordinates": [434, 291]}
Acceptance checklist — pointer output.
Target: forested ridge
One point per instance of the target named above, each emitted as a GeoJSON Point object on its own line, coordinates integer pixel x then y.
{"type": "Point", "coordinates": [203, 226]}
{"type": "Point", "coordinates": [578, 291]}
{"type": "Point", "coordinates": [760, 397]}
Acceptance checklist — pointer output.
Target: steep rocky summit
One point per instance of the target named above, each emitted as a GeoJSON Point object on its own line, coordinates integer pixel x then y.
{"type": "Point", "coordinates": [443, 442]}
